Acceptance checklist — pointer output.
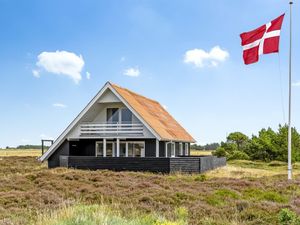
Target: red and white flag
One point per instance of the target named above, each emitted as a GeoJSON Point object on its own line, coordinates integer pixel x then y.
{"type": "Point", "coordinates": [263, 40]}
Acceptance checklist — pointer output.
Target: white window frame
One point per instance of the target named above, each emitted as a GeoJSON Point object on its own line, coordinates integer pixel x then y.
{"type": "Point", "coordinates": [172, 149]}
{"type": "Point", "coordinates": [180, 148]}
{"type": "Point", "coordinates": [104, 149]}
{"type": "Point", "coordinates": [186, 149]}
{"type": "Point", "coordinates": [136, 142]}
{"type": "Point", "coordinates": [99, 142]}
{"type": "Point", "coordinates": [126, 151]}
{"type": "Point", "coordinates": [119, 113]}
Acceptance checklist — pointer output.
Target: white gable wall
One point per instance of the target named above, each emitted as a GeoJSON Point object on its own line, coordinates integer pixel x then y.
{"type": "Point", "coordinates": [108, 97]}
{"type": "Point", "coordinates": [97, 114]}
{"type": "Point", "coordinates": [92, 108]}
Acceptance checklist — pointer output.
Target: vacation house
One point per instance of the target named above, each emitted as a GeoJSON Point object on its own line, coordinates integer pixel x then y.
{"type": "Point", "coordinates": [122, 130]}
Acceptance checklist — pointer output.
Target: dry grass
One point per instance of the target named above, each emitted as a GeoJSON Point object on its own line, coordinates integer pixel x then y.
{"type": "Point", "coordinates": [198, 152]}
{"type": "Point", "coordinates": [20, 152]}
{"type": "Point", "coordinates": [28, 189]}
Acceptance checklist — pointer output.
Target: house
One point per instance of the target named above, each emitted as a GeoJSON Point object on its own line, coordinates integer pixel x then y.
{"type": "Point", "coordinates": [122, 130]}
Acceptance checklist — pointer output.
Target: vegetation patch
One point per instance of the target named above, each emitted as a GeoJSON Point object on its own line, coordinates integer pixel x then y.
{"type": "Point", "coordinates": [242, 193]}
{"type": "Point", "coordinates": [221, 196]}
{"type": "Point", "coordinates": [264, 195]}
{"type": "Point", "coordinates": [268, 145]}
{"type": "Point", "coordinates": [100, 214]}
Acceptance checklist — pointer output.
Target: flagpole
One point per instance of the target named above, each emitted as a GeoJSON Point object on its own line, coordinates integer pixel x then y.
{"type": "Point", "coordinates": [290, 101]}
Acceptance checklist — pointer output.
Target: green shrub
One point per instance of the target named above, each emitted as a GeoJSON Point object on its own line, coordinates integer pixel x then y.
{"type": "Point", "coordinates": [201, 178]}
{"type": "Point", "coordinates": [220, 152]}
{"type": "Point", "coordinates": [238, 155]}
{"type": "Point", "coordinates": [288, 217]}
{"type": "Point", "coordinates": [264, 195]}
{"type": "Point", "coordinates": [219, 197]}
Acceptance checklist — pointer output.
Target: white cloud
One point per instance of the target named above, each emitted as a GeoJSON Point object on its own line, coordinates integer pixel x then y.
{"type": "Point", "coordinates": [44, 136]}
{"type": "Point", "coordinates": [200, 58]}
{"type": "Point", "coordinates": [59, 105]}
{"type": "Point", "coordinates": [63, 63]}
{"type": "Point", "coordinates": [132, 72]}
{"type": "Point", "coordinates": [88, 75]}
{"type": "Point", "coordinates": [296, 84]}
{"type": "Point", "coordinates": [36, 73]}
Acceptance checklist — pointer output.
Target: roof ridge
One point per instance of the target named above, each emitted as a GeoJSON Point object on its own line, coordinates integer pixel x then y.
{"type": "Point", "coordinates": [132, 92]}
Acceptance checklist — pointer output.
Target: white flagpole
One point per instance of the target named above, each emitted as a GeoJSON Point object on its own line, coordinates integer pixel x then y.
{"type": "Point", "coordinates": [290, 101]}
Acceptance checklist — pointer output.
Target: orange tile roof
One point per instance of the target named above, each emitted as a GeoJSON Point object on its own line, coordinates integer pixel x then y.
{"type": "Point", "coordinates": [155, 116]}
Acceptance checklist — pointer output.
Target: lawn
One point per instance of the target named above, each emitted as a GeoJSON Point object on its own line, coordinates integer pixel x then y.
{"type": "Point", "coordinates": [244, 192]}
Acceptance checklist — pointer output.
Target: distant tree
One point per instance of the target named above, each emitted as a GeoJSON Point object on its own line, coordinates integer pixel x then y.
{"type": "Point", "coordinates": [29, 147]}
{"type": "Point", "coordinates": [196, 147]}
{"type": "Point", "coordinates": [220, 152]}
{"type": "Point", "coordinates": [267, 145]}
{"type": "Point", "coordinates": [210, 147]}
{"type": "Point", "coordinates": [238, 138]}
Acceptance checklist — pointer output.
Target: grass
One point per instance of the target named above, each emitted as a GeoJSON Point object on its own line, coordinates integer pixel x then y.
{"type": "Point", "coordinates": [80, 214]}
{"type": "Point", "coordinates": [244, 192]}
{"type": "Point", "coordinates": [199, 152]}
{"type": "Point", "coordinates": [20, 152]}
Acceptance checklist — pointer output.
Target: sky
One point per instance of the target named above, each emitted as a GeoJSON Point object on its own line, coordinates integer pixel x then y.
{"type": "Point", "coordinates": [56, 55]}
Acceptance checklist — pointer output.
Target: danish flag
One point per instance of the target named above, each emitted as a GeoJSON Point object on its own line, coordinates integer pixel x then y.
{"type": "Point", "coordinates": [263, 40]}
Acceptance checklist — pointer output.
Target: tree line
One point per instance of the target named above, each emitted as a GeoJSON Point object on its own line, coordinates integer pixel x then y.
{"type": "Point", "coordinates": [27, 147]}
{"type": "Point", "coordinates": [268, 145]}
{"type": "Point", "coordinates": [210, 147]}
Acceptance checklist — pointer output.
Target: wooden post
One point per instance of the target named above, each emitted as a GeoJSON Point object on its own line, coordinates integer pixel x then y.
{"type": "Point", "coordinates": [126, 154]}
{"type": "Point", "coordinates": [104, 147]}
{"type": "Point", "coordinates": [42, 147]}
{"type": "Point", "coordinates": [118, 147]}
{"type": "Point", "coordinates": [157, 148]}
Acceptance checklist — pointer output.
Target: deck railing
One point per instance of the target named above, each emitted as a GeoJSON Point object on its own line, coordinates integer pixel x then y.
{"type": "Point", "coordinates": [111, 129]}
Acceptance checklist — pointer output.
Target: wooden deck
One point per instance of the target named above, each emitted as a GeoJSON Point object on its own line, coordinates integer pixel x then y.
{"type": "Point", "coordinates": [152, 164]}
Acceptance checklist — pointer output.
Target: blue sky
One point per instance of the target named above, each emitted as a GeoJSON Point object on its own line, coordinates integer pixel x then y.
{"type": "Point", "coordinates": [147, 40]}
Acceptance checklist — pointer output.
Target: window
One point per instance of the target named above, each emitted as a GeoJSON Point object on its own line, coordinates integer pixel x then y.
{"type": "Point", "coordinates": [109, 149]}
{"type": "Point", "coordinates": [183, 149]}
{"type": "Point", "coordinates": [112, 115]}
{"type": "Point", "coordinates": [186, 149]}
{"type": "Point", "coordinates": [136, 149]}
{"type": "Point", "coordinates": [99, 149]}
{"type": "Point", "coordinates": [126, 116]}
{"type": "Point", "coordinates": [170, 149]}
{"type": "Point", "coordinates": [180, 149]}
{"type": "Point", "coordinates": [122, 149]}
{"type": "Point", "coordinates": [176, 149]}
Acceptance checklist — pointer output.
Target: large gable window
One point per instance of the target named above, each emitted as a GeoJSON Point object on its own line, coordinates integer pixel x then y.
{"type": "Point", "coordinates": [126, 115]}
{"type": "Point", "coordinates": [112, 115]}
{"type": "Point", "coordinates": [116, 115]}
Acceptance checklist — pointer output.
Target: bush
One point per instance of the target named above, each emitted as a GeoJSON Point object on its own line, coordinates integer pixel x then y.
{"type": "Point", "coordinates": [288, 217]}
{"type": "Point", "coordinates": [268, 145]}
{"type": "Point", "coordinates": [238, 155]}
{"type": "Point", "coordinates": [220, 152]}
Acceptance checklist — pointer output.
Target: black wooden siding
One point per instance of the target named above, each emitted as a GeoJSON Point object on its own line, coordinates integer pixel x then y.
{"type": "Point", "coordinates": [185, 165]}
{"type": "Point", "coordinates": [63, 149]}
{"type": "Point", "coordinates": [150, 148]}
{"type": "Point", "coordinates": [87, 147]}
{"type": "Point", "coordinates": [151, 164]}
